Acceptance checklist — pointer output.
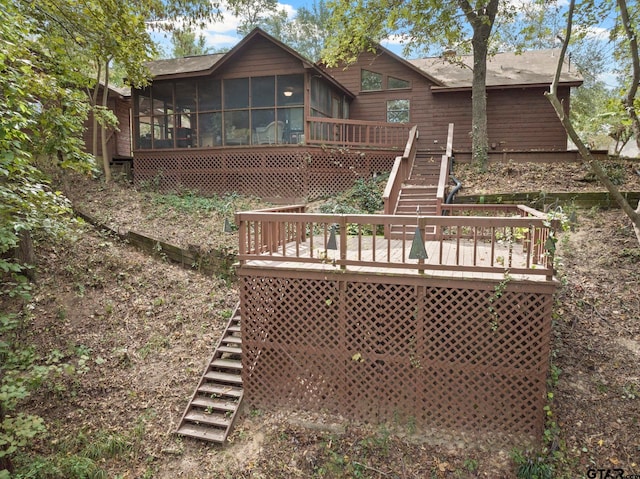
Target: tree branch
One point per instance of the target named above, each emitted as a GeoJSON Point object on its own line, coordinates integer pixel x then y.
{"type": "Point", "coordinates": [629, 100]}
{"type": "Point", "coordinates": [585, 153]}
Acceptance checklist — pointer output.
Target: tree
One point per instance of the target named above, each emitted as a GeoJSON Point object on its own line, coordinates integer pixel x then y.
{"type": "Point", "coordinates": [630, 28]}
{"type": "Point", "coordinates": [94, 33]}
{"type": "Point", "coordinates": [629, 99]}
{"type": "Point", "coordinates": [101, 32]}
{"type": "Point", "coordinates": [185, 43]}
{"type": "Point", "coordinates": [41, 116]}
{"type": "Point", "coordinates": [360, 25]}
{"type": "Point", "coordinates": [306, 32]}
{"type": "Point", "coordinates": [252, 14]}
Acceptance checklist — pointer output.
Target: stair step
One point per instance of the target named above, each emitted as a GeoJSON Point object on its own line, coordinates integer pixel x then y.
{"type": "Point", "coordinates": [201, 432]}
{"type": "Point", "coordinates": [214, 404]}
{"type": "Point", "coordinates": [232, 339]}
{"type": "Point", "coordinates": [421, 190]}
{"type": "Point", "coordinates": [206, 418]}
{"type": "Point", "coordinates": [412, 208]}
{"type": "Point", "coordinates": [223, 377]}
{"type": "Point", "coordinates": [234, 328]}
{"type": "Point", "coordinates": [227, 364]}
{"type": "Point", "coordinates": [220, 390]}
{"type": "Point", "coordinates": [417, 199]}
{"type": "Point", "coordinates": [230, 349]}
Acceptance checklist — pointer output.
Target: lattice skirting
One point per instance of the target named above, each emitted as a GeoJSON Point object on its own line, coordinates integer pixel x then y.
{"type": "Point", "coordinates": [267, 172]}
{"type": "Point", "coordinates": [422, 353]}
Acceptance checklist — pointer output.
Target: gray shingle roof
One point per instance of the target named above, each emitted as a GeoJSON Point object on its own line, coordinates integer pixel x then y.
{"type": "Point", "coordinates": [175, 66]}
{"type": "Point", "coordinates": [503, 69]}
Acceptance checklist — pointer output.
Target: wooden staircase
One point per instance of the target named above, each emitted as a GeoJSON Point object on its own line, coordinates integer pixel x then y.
{"type": "Point", "coordinates": [214, 406]}
{"type": "Point", "coordinates": [418, 192]}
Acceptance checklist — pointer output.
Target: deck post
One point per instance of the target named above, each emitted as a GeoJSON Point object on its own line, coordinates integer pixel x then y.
{"type": "Point", "coordinates": [242, 236]}
{"type": "Point", "coordinates": [342, 231]}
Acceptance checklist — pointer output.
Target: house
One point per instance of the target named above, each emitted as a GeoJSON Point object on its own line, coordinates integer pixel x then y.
{"type": "Point", "coordinates": [433, 92]}
{"type": "Point", "coordinates": [261, 119]}
{"type": "Point", "coordinates": [118, 140]}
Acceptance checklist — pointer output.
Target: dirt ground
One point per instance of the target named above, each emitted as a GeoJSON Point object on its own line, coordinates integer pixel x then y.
{"type": "Point", "coordinates": [139, 331]}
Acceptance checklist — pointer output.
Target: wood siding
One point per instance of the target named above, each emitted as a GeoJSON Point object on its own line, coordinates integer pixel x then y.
{"type": "Point", "coordinates": [372, 105]}
{"type": "Point", "coordinates": [118, 142]}
{"type": "Point", "coordinates": [518, 118]}
{"type": "Point", "coordinates": [260, 58]}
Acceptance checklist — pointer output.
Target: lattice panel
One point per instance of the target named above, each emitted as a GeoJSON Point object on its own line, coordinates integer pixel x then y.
{"type": "Point", "coordinates": [369, 308]}
{"type": "Point", "coordinates": [267, 172]}
{"type": "Point", "coordinates": [494, 331]}
{"type": "Point", "coordinates": [429, 355]}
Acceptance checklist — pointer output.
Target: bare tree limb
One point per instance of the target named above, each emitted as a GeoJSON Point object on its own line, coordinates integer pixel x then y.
{"type": "Point", "coordinates": [629, 99]}
{"type": "Point", "coordinates": [587, 158]}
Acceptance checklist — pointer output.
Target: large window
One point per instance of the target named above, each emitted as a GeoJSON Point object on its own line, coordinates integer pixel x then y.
{"type": "Point", "coordinates": [373, 81]}
{"type": "Point", "coordinates": [212, 112]}
{"type": "Point", "coordinates": [370, 81]}
{"type": "Point", "coordinates": [397, 83]}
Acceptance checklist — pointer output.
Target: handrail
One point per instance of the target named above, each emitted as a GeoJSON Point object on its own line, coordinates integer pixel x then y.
{"type": "Point", "coordinates": [514, 242]}
{"type": "Point", "coordinates": [442, 183]}
{"type": "Point", "coordinates": [341, 132]}
{"type": "Point", "coordinates": [400, 172]}
{"type": "Point", "coordinates": [445, 167]}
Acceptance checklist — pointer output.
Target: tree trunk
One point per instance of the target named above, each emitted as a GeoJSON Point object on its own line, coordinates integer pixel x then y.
{"type": "Point", "coordinates": [25, 254]}
{"type": "Point", "coordinates": [629, 99]}
{"type": "Point", "coordinates": [106, 160]}
{"type": "Point", "coordinates": [479, 134]}
{"type": "Point", "coordinates": [481, 20]}
{"type": "Point", "coordinates": [94, 121]}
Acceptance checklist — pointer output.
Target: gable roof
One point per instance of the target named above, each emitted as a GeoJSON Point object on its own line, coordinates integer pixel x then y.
{"type": "Point", "coordinates": [529, 68]}
{"type": "Point", "coordinates": [201, 65]}
{"type": "Point", "coordinates": [409, 64]}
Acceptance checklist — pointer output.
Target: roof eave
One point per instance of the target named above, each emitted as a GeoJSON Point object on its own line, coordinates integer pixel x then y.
{"type": "Point", "coordinates": [445, 89]}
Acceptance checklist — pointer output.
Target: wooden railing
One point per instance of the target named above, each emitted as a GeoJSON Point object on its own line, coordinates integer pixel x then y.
{"type": "Point", "coordinates": [477, 239]}
{"type": "Point", "coordinates": [400, 172]}
{"type": "Point", "coordinates": [445, 167]}
{"type": "Point", "coordinates": [355, 133]}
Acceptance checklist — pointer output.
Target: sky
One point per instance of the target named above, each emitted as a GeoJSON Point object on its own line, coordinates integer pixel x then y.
{"type": "Point", "coordinates": [222, 35]}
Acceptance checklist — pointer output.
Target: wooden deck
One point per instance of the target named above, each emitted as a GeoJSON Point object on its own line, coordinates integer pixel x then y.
{"type": "Point", "coordinates": [518, 241]}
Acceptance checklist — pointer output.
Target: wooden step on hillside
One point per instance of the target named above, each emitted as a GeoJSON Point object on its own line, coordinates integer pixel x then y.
{"type": "Point", "coordinates": [215, 404]}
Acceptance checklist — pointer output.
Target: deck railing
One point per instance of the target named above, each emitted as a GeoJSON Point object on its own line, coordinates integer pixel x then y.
{"type": "Point", "coordinates": [471, 239]}
{"type": "Point", "coordinates": [400, 172]}
{"type": "Point", "coordinates": [445, 168]}
{"type": "Point", "coordinates": [355, 133]}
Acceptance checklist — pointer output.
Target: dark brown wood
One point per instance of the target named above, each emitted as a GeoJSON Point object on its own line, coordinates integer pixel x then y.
{"type": "Point", "coordinates": [518, 118]}
{"type": "Point", "coordinates": [280, 174]}
{"type": "Point", "coordinates": [383, 347]}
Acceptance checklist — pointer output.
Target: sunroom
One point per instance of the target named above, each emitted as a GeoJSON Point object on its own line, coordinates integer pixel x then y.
{"type": "Point", "coordinates": [220, 112]}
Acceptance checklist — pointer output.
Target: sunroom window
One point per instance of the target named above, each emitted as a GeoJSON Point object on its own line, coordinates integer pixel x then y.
{"type": "Point", "coordinates": [212, 112]}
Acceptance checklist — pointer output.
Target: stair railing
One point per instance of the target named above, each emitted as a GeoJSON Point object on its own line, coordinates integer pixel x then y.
{"type": "Point", "coordinates": [445, 167]}
{"type": "Point", "coordinates": [400, 173]}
